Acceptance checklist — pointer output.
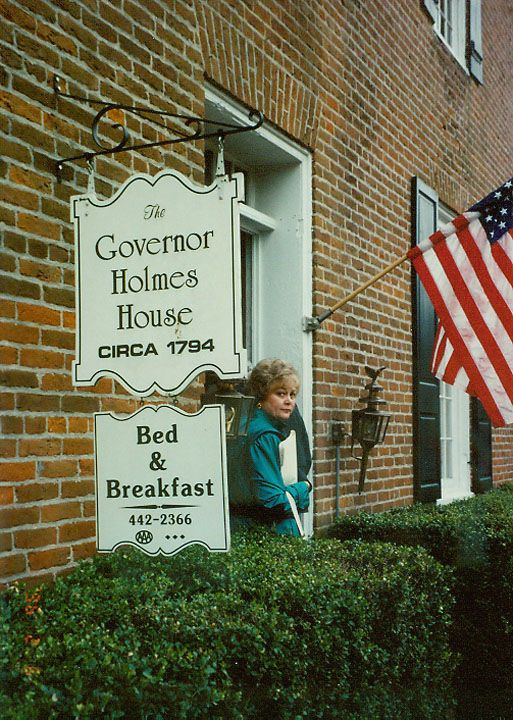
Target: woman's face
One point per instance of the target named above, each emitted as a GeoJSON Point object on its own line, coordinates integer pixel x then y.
{"type": "Point", "coordinates": [281, 398]}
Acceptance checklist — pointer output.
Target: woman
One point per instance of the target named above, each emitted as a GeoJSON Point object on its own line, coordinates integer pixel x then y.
{"type": "Point", "coordinates": [275, 384]}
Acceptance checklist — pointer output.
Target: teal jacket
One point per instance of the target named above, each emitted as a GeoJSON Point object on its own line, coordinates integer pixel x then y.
{"type": "Point", "coordinates": [261, 462]}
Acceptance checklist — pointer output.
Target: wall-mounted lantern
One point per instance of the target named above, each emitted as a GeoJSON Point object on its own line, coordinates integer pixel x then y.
{"type": "Point", "coordinates": [238, 414]}
{"type": "Point", "coordinates": [369, 425]}
{"type": "Point", "coordinates": [238, 411]}
{"type": "Point", "coordinates": [238, 407]}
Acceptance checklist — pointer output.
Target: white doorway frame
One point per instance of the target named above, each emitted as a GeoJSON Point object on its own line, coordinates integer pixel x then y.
{"type": "Point", "coordinates": [278, 211]}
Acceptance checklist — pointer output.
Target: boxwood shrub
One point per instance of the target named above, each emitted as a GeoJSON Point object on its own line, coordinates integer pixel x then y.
{"type": "Point", "coordinates": [276, 628]}
{"type": "Point", "coordinates": [475, 538]}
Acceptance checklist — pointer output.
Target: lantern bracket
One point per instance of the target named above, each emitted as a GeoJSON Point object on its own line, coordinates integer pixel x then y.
{"type": "Point", "coordinates": [185, 128]}
{"type": "Point", "coordinates": [368, 425]}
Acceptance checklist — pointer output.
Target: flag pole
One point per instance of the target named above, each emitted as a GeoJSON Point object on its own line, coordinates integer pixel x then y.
{"type": "Point", "coordinates": [361, 288]}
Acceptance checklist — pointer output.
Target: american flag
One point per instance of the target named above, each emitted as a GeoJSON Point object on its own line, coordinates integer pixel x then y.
{"type": "Point", "coordinates": [466, 268]}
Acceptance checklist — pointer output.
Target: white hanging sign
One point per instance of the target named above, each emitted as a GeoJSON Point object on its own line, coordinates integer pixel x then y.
{"type": "Point", "coordinates": [161, 481]}
{"type": "Point", "coordinates": [158, 287]}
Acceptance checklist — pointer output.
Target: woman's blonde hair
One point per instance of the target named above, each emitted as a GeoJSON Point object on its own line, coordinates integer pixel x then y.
{"type": "Point", "coordinates": [267, 373]}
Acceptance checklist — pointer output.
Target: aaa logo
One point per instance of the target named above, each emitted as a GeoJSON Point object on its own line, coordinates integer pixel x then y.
{"type": "Point", "coordinates": [144, 537]}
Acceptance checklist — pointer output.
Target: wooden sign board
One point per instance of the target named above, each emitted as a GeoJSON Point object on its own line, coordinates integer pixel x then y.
{"type": "Point", "coordinates": [158, 287]}
{"type": "Point", "coordinates": [161, 481]}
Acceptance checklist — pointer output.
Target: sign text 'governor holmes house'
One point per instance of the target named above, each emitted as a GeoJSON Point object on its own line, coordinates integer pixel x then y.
{"type": "Point", "coordinates": [158, 283]}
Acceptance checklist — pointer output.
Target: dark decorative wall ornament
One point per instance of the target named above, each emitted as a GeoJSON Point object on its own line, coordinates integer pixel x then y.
{"type": "Point", "coordinates": [185, 127]}
{"type": "Point", "coordinates": [368, 425]}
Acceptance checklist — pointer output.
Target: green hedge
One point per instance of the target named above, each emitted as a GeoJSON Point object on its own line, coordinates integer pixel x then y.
{"type": "Point", "coordinates": [276, 628]}
{"type": "Point", "coordinates": [475, 538]}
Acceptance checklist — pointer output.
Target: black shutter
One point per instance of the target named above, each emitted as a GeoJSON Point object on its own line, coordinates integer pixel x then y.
{"type": "Point", "coordinates": [480, 448]}
{"type": "Point", "coordinates": [431, 7]}
{"type": "Point", "coordinates": [426, 393]}
{"type": "Point", "coordinates": [476, 44]}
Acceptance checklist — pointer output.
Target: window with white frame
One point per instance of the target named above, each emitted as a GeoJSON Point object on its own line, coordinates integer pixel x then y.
{"type": "Point", "coordinates": [276, 243]}
{"type": "Point", "coordinates": [449, 19]}
{"type": "Point", "coordinates": [452, 445]}
{"type": "Point", "coordinates": [450, 24]}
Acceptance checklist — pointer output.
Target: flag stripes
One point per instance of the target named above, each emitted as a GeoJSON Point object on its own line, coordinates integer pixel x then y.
{"type": "Point", "coordinates": [470, 283]}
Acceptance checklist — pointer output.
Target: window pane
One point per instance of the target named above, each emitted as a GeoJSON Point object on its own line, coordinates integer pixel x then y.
{"type": "Point", "coordinates": [452, 12]}
{"type": "Point", "coordinates": [246, 261]}
{"type": "Point", "coordinates": [446, 430]}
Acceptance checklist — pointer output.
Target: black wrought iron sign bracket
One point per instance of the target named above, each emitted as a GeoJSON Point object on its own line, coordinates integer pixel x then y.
{"type": "Point", "coordinates": [192, 127]}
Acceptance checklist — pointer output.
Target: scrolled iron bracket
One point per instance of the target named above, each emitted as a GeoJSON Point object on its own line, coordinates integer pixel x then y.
{"type": "Point", "coordinates": [191, 127]}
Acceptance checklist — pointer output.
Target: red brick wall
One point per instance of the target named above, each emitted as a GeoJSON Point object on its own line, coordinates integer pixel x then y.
{"type": "Point", "coordinates": [136, 53]}
{"type": "Point", "coordinates": [367, 86]}
{"type": "Point", "coordinates": [390, 103]}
